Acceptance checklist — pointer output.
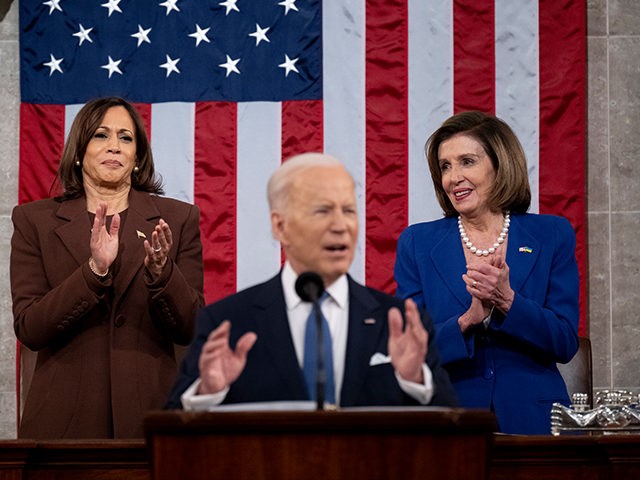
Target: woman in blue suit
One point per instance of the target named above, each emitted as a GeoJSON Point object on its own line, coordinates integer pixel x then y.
{"type": "Point", "coordinates": [500, 285]}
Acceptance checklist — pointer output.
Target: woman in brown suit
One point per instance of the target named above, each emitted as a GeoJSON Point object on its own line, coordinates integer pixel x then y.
{"type": "Point", "coordinates": [105, 279]}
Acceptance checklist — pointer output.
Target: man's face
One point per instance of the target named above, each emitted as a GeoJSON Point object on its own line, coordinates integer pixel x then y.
{"type": "Point", "coordinates": [318, 225]}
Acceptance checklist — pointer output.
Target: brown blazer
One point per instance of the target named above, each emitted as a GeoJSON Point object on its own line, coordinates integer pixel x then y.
{"type": "Point", "coordinates": [105, 348]}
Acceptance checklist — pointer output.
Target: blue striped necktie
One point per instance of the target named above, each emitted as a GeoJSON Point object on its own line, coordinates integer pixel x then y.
{"type": "Point", "coordinates": [310, 363]}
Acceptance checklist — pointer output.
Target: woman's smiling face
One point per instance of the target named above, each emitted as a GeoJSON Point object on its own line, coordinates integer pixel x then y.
{"type": "Point", "coordinates": [111, 153]}
{"type": "Point", "coordinates": [468, 174]}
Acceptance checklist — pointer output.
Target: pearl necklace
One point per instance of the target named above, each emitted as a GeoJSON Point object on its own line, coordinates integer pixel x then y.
{"type": "Point", "coordinates": [478, 251]}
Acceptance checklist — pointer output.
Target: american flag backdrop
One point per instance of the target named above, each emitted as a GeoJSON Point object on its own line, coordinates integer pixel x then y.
{"type": "Point", "coordinates": [229, 89]}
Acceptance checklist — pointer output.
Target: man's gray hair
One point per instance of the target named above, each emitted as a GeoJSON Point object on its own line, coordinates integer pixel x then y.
{"type": "Point", "coordinates": [280, 181]}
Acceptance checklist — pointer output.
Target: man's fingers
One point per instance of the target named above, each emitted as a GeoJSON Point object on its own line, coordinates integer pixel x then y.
{"type": "Point", "coordinates": [218, 341]}
{"type": "Point", "coordinates": [411, 312]}
{"type": "Point", "coordinates": [395, 322]}
{"type": "Point", "coordinates": [413, 319]}
{"type": "Point", "coordinates": [222, 332]}
{"type": "Point", "coordinates": [223, 329]}
{"type": "Point", "coordinates": [244, 344]}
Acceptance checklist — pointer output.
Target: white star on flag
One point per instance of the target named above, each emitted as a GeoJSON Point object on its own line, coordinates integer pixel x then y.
{"type": "Point", "coordinates": [289, 5]}
{"type": "Point", "coordinates": [54, 64]}
{"type": "Point", "coordinates": [230, 5]}
{"type": "Point", "coordinates": [289, 65]}
{"type": "Point", "coordinates": [112, 66]}
{"type": "Point", "coordinates": [112, 5]}
{"type": "Point", "coordinates": [53, 5]}
{"type": "Point", "coordinates": [230, 66]}
{"type": "Point", "coordinates": [260, 34]}
{"type": "Point", "coordinates": [142, 35]}
{"type": "Point", "coordinates": [170, 65]}
{"type": "Point", "coordinates": [83, 34]}
{"type": "Point", "coordinates": [200, 35]}
{"type": "Point", "coordinates": [170, 5]}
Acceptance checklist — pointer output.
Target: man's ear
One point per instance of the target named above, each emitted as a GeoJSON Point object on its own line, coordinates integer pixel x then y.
{"type": "Point", "coordinates": [278, 227]}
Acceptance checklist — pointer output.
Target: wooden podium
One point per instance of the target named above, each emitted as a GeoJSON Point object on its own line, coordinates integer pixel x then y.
{"type": "Point", "coordinates": [370, 444]}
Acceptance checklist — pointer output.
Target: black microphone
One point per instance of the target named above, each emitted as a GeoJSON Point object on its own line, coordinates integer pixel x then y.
{"type": "Point", "coordinates": [310, 287]}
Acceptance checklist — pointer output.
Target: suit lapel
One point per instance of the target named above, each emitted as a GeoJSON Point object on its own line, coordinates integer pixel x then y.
{"type": "Point", "coordinates": [272, 326]}
{"type": "Point", "coordinates": [448, 259]}
{"type": "Point", "coordinates": [75, 232]}
{"type": "Point", "coordinates": [523, 250]}
{"type": "Point", "coordinates": [142, 216]}
{"type": "Point", "coordinates": [362, 340]}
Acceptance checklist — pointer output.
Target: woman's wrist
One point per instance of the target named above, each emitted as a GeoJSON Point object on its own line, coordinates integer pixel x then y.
{"type": "Point", "coordinates": [504, 305]}
{"type": "Point", "coordinates": [464, 322]}
{"type": "Point", "coordinates": [96, 271]}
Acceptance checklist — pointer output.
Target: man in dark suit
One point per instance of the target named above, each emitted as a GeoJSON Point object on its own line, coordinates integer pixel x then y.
{"type": "Point", "coordinates": [249, 347]}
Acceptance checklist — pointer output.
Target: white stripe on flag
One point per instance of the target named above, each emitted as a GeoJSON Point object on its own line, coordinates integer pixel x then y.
{"type": "Point", "coordinates": [430, 95]}
{"type": "Point", "coordinates": [259, 152]}
{"type": "Point", "coordinates": [70, 112]}
{"type": "Point", "coordinates": [343, 43]}
{"type": "Point", "coordinates": [517, 79]}
{"type": "Point", "coordinates": [172, 134]}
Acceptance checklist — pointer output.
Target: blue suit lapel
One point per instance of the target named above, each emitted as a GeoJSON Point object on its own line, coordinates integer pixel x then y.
{"type": "Point", "coordinates": [361, 340]}
{"type": "Point", "coordinates": [448, 258]}
{"type": "Point", "coordinates": [523, 251]}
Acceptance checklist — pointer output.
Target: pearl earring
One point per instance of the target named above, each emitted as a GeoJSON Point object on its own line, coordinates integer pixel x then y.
{"type": "Point", "coordinates": [136, 169]}
{"type": "Point", "coordinates": [77, 163]}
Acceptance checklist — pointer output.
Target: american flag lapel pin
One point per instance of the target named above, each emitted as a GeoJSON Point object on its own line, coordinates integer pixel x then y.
{"type": "Point", "coordinates": [369, 321]}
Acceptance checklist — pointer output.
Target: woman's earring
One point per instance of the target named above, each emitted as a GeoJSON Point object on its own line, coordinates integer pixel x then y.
{"type": "Point", "coordinates": [77, 163]}
{"type": "Point", "coordinates": [136, 169]}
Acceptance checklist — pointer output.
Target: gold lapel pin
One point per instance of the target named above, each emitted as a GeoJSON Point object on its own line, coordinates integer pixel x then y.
{"type": "Point", "coordinates": [140, 234]}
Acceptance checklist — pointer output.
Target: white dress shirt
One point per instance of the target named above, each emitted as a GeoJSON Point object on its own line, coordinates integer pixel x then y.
{"type": "Point", "coordinates": [336, 311]}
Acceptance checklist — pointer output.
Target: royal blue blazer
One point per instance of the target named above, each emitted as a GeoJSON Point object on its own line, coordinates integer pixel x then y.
{"type": "Point", "coordinates": [272, 372]}
{"type": "Point", "coordinates": [509, 366]}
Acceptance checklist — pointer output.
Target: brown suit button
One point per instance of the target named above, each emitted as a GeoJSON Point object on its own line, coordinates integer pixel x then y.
{"type": "Point", "coordinates": [60, 327]}
{"type": "Point", "coordinates": [85, 304]}
{"type": "Point", "coordinates": [119, 321]}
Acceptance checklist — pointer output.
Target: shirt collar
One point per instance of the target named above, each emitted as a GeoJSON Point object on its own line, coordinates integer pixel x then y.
{"type": "Point", "coordinates": [338, 290]}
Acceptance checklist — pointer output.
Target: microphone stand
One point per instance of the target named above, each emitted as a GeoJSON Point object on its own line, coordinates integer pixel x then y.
{"type": "Point", "coordinates": [309, 286]}
{"type": "Point", "coordinates": [320, 373]}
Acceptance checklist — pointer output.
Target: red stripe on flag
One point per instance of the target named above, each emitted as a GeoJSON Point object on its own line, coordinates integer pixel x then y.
{"type": "Point", "coordinates": [302, 127]}
{"type": "Point", "coordinates": [41, 142]}
{"type": "Point", "coordinates": [144, 109]}
{"type": "Point", "coordinates": [386, 137]}
{"type": "Point", "coordinates": [215, 162]}
{"type": "Point", "coordinates": [562, 121]}
{"type": "Point", "coordinates": [474, 56]}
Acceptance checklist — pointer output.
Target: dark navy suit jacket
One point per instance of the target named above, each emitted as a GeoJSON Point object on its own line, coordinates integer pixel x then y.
{"type": "Point", "coordinates": [272, 372]}
{"type": "Point", "coordinates": [511, 366]}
